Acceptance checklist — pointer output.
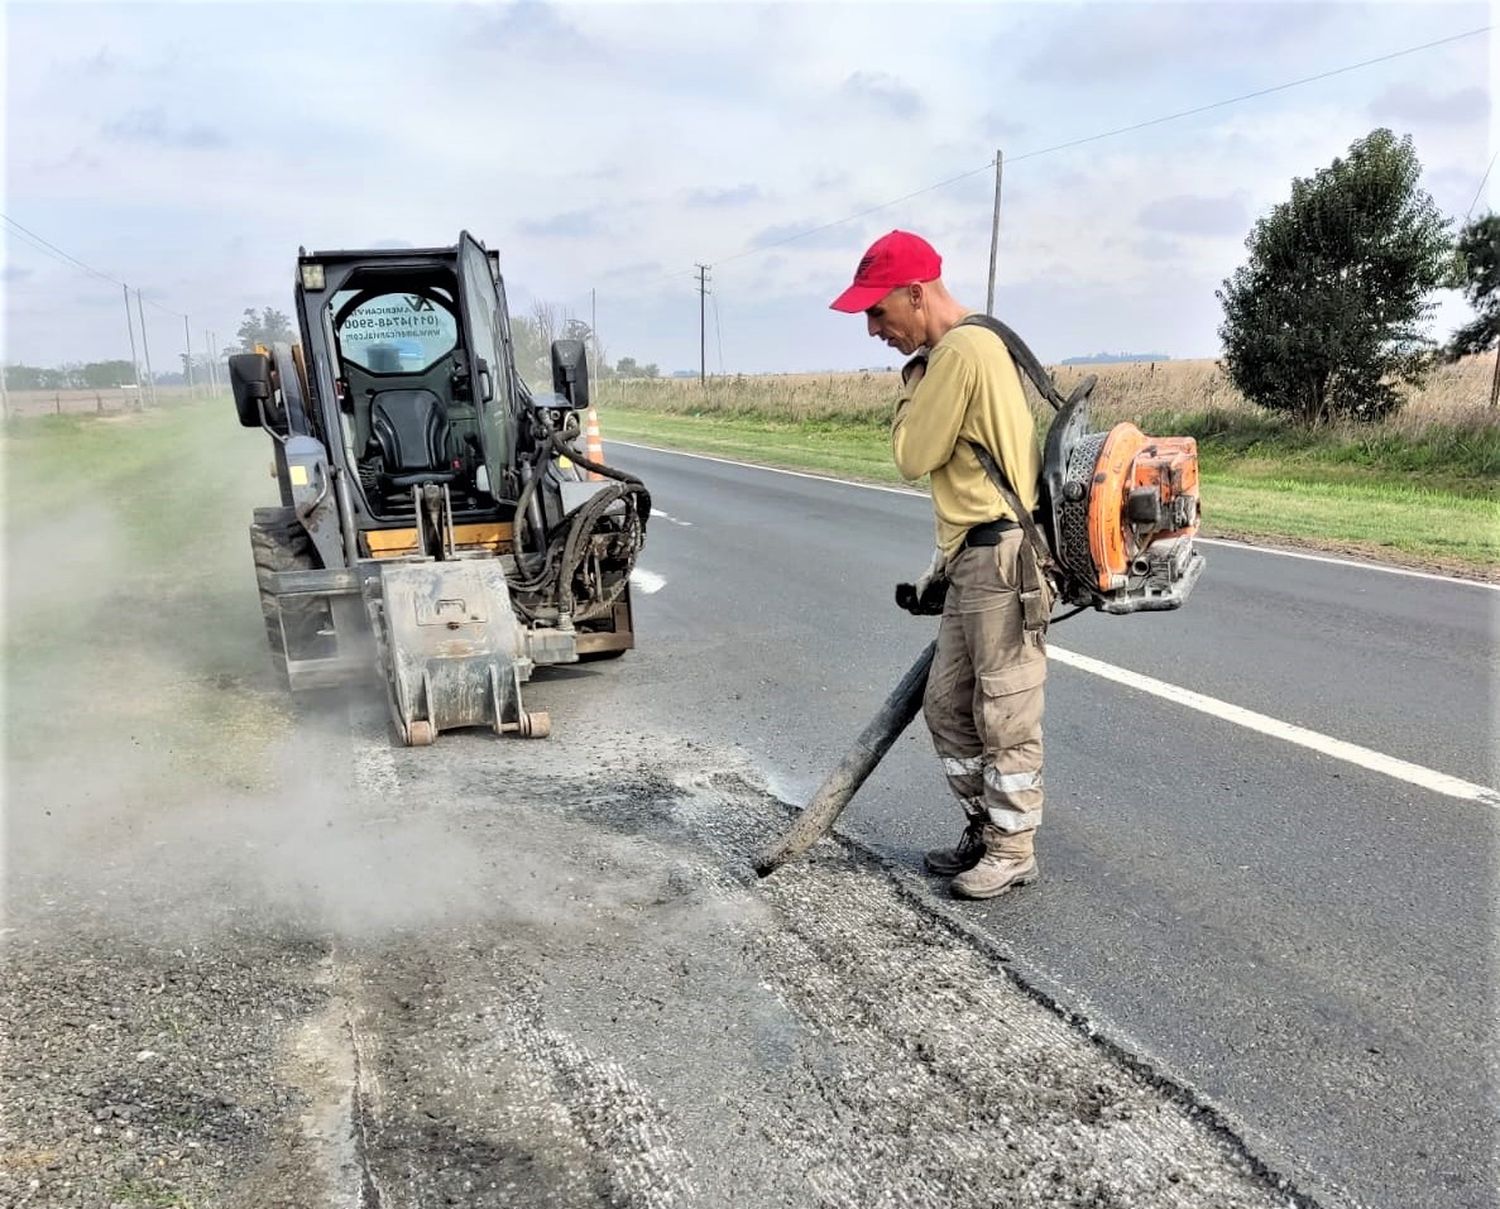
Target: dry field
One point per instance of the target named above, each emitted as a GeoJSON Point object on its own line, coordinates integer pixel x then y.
{"type": "Point", "coordinates": [87, 402]}
{"type": "Point", "coordinates": [1453, 395]}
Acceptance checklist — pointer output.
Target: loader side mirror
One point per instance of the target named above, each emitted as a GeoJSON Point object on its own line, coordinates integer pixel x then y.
{"type": "Point", "coordinates": [250, 380]}
{"type": "Point", "coordinates": [570, 372]}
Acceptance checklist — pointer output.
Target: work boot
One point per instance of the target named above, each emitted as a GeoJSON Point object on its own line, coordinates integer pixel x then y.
{"type": "Point", "coordinates": [997, 871]}
{"type": "Point", "coordinates": [946, 862]}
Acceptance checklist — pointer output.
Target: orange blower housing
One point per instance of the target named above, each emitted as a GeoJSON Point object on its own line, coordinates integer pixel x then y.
{"type": "Point", "coordinates": [1122, 508]}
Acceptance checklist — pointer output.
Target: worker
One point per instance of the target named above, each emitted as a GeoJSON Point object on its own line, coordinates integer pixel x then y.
{"type": "Point", "coordinates": [983, 703]}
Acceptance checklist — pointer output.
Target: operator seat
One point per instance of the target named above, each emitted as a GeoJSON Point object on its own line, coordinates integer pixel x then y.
{"type": "Point", "coordinates": [410, 429]}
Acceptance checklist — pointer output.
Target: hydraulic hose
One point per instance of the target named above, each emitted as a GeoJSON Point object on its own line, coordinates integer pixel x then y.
{"type": "Point", "coordinates": [569, 452]}
{"type": "Point", "coordinates": [562, 556]}
{"type": "Point", "coordinates": [523, 504]}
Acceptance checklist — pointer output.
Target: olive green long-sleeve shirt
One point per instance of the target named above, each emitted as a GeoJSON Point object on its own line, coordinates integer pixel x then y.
{"type": "Point", "coordinates": [970, 392]}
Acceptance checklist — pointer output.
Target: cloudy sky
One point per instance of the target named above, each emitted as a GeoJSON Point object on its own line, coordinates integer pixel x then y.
{"type": "Point", "coordinates": [190, 148]}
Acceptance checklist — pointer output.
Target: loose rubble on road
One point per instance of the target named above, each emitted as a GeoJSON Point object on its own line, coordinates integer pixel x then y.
{"type": "Point", "coordinates": [518, 974]}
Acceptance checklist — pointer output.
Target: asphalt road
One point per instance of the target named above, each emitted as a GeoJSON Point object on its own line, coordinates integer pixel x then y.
{"type": "Point", "coordinates": [1307, 943]}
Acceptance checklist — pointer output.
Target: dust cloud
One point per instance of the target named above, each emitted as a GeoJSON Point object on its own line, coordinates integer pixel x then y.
{"type": "Point", "coordinates": [159, 782]}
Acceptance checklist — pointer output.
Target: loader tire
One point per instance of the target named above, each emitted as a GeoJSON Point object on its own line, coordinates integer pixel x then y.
{"type": "Point", "coordinates": [278, 542]}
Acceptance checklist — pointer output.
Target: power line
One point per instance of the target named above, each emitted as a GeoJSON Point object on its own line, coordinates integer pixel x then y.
{"type": "Point", "coordinates": [1484, 180]}
{"type": "Point", "coordinates": [1259, 92]}
{"type": "Point", "coordinates": [36, 241]}
{"type": "Point", "coordinates": [1107, 134]}
{"type": "Point", "coordinates": [41, 244]}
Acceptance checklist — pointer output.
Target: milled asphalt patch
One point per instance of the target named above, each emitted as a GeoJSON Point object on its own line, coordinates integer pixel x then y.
{"type": "Point", "coordinates": [598, 1004]}
{"type": "Point", "coordinates": [919, 895]}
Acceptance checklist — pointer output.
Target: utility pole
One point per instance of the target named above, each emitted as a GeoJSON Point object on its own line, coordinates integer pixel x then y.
{"type": "Point", "coordinates": [702, 342]}
{"type": "Point", "coordinates": [213, 367]}
{"type": "Point", "coordinates": [187, 366]}
{"type": "Point", "coordinates": [989, 301]}
{"type": "Point", "coordinates": [594, 331]}
{"type": "Point", "coordinates": [4, 397]}
{"type": "Point", "coordinates": [135, 366]}
{"type": "Point", "coordinates": [145, 345]}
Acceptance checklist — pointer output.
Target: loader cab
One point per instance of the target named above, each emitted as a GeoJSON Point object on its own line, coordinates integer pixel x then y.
{"type": "Point", "coordinates": [416, 383]}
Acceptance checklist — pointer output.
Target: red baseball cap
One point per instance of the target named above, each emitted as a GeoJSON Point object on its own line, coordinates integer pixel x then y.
{"type": "Point", "coordinates": [894, 260]}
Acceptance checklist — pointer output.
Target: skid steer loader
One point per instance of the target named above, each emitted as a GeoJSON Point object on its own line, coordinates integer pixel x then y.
{"type": "Point", "coordinates": [438, 524]}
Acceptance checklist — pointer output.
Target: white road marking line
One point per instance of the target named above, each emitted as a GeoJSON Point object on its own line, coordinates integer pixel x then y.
{"type": "Point", "coordinates": [648, 582]}
{"type": "Point", "coordinates": [796, 474]}
{"type": "Point", "coordinates": [667, 516]}
{"type": "Point", "coordinates": [1388, 568]}
{"type": "Point", "coordinates": [1345, 562]}
{"type": "Point", "coordinates": [1351, 753]}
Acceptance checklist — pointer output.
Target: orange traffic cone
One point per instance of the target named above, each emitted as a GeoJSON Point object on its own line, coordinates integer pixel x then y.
{"type": "Point", "coordinates": [593, 446]}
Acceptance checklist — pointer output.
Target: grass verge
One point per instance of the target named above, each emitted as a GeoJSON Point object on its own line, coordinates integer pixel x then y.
{"type": "Point", "coordinates": [1281, 486]}
{"type": "Point", "coordinates": [131, 611]}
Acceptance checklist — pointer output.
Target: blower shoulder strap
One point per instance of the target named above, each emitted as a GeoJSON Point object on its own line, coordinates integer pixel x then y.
{"type": "Point", "coordinates": [1036, 601]}
{"type": "Point", "coordinates": [1024, 358]}
{"type": "Point", "coordinates": [1032, 368]}
{"type": "Point", "coordinates": [1007, 493]}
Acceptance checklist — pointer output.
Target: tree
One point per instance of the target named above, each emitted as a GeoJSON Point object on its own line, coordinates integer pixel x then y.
{"type": "Point", "coordinates": [1478, 248]}
{"type": "Point", "coordinates": [1479, 273]}
{"type": "Point", "coordinates": [529, 349]}
{"type": "Point", "coordinates": [629, 367]}
{"type": "Point", "coordinates": [601, 366]}
{"type": "Point", "coordinates": [544, 316]}
{"type": "Point", "coordinates": [266, 328]}
{"type": "Point", "coordinates": [1326, 316]}
{"type": "Point", "coordinates": [32, 377]}
{"type": "Point", "coordinates": [97, 375]}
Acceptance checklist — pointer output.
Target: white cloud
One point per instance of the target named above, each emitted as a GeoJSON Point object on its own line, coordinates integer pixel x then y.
{"type": "Point", "coordinates": [616, 145]}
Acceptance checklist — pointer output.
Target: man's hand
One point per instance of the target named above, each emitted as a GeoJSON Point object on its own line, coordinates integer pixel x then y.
{"type": "Point", "coordinates": [925, 597]}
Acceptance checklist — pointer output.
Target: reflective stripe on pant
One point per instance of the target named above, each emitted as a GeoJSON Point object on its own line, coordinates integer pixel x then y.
{"type": "Point", "coordinates": [985, 692]}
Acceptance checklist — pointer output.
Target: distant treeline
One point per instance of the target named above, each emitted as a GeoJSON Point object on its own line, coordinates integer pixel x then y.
{"type": "Point", "coordinates": [92, 375]}
{"type": "Point", "coordinates": [1111, 358]}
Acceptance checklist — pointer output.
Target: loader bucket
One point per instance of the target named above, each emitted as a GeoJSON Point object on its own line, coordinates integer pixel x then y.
{"type": "Point", "coordinates": [455, 655]}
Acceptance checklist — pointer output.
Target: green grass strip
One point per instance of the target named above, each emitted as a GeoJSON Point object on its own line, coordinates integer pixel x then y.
{"type": "Point", "coordinates": [1338, 505]}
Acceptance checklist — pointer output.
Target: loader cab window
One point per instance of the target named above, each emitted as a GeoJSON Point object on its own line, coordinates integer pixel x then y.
{"type": "Point", "coordinates": [395, 333]}
{"type": "Point", "coordinates": [406, 411]}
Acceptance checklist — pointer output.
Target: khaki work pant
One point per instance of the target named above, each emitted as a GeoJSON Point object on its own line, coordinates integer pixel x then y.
{"type": "Point", "coordinates": [985, 692]}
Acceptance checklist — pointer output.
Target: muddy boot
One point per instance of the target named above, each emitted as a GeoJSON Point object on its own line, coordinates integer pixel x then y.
{"type": "Point", "coordinates": [946, 862]}
{"type": "Point", "coordinates": [1001, 868]}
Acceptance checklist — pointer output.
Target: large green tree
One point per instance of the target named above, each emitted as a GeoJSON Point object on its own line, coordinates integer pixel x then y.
{"type": "Point", "coordinates": [1326, 317]}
